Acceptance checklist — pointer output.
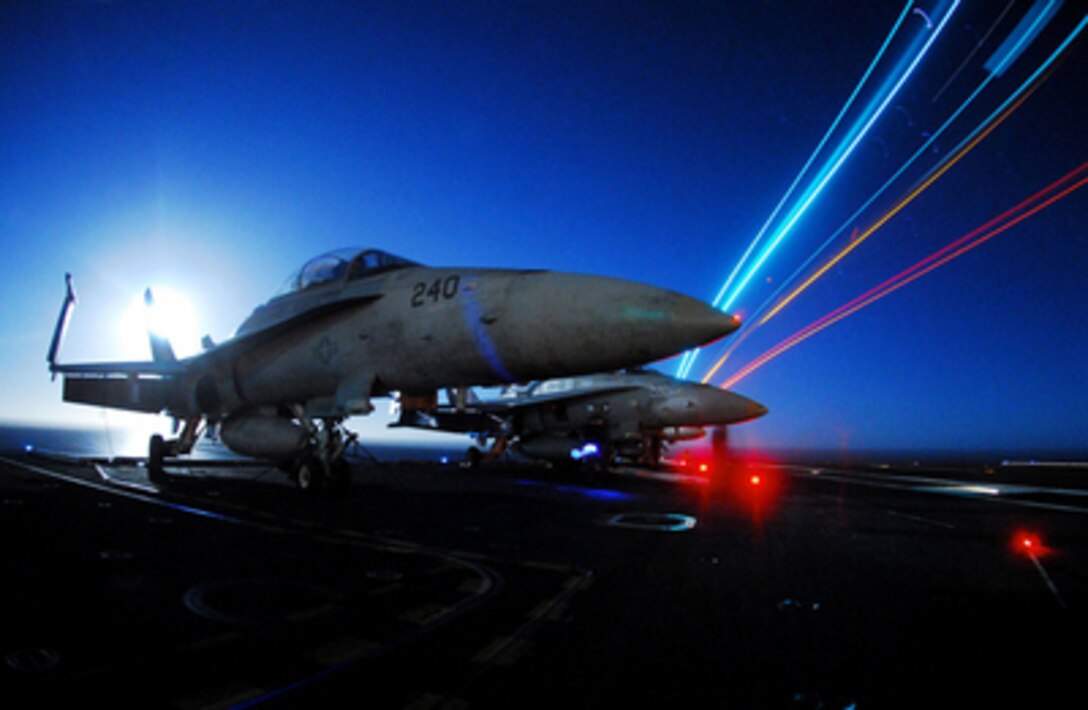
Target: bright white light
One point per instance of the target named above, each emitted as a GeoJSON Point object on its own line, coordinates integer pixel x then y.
{"type": "Point", "coordinates": [171, 316]}
{"type": "Point", "coordinates": [584, 452]}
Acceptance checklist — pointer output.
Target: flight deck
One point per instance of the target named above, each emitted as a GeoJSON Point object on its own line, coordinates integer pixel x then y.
{"type": "Point", "coordinates": [777, 584]}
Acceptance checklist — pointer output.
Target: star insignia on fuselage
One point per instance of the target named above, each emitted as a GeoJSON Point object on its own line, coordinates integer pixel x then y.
{"type": "Point", "coordinates": [325, 350]}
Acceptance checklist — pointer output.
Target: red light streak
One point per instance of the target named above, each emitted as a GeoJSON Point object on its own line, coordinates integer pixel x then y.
{"type": "Point", "coordinates": [935, 174]}
{"type": "Point", "coordinates": [857, 240]}
{"type": "Point", "coordinates": [959, 247]}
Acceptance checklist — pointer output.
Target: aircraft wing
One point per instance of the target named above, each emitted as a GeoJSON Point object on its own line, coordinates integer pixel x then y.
{"type": "Point", "coordinates": [447, 419]}
{"type": "Point", "coordinates": [512, 404]}
{"type": "Point", "coordinates": [491, 417]}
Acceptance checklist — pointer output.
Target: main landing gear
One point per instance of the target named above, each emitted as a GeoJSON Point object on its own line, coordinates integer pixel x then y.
{"type": "Point", "coordinates": [159, 448]}
{"type": "Point", "coordinates": [652, 449]}
{"type": "Point", "coordinates": [321, 466]}
{"type": "Point", "coordinates": [474, 458]}
{"type": "Point", "coordinates": [318, 464]}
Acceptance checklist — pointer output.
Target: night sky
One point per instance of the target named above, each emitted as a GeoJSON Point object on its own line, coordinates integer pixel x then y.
{"type": "Point", "coordinates": [211, 148]}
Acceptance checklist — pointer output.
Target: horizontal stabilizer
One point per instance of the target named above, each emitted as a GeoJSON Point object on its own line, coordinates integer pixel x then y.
{"type": "Point", "coordinates": [137, 394]}
{"type": "Point", "coordinates": [121, 369]}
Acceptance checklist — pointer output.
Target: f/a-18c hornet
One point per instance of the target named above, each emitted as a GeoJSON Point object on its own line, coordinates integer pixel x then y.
{"type": "Point", "coordinates": [362, 323]}
{"type": "Point", "coordinates": [596, 418]}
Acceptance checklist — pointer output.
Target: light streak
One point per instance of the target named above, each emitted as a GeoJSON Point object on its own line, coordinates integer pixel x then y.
{"type": "Point", "coordinates": [733, 345]}
{"type": "Point", "coordinates": [973, 52]}
{"type": "Point", "coordinates": [838, 157]}
{"type": "Point", "coordinates": [1011, 104]}
{"type": "Point", "coordinates": [937, 172]}
{"type": "Point", "coordinates": [942, 168]}
{"type": "Point", "coordinates": [812, 158]}
{"type": "Point", "coordinates": [689, 358]}
{"type": "Point", "coordinates": [1015, 100]}
{"type": "Point", "coordinates": [1022, 35]}
{"type": "Point", "coordinates": [952, 251]}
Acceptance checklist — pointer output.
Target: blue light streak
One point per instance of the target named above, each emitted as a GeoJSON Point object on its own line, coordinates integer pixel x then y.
{"type": "Point", "coordinates": [1042, 68]}
{"type": "Point", "coordinates": [823, 141]}
{"type": "Point", "coordinates": [857, 132]}
{"type": "Point", "coordinates": [1026, 34]}
{"type": "Point", "coordinates": [839, 157]}
{"type": "Point", "coordinates": [689, 356]}
{"type": "Point", "coordinates": [1029, 83]}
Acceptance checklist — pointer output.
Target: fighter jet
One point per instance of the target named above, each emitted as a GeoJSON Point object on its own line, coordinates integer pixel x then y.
{"type": "Point", "coordinates": [356, 324]}
{"type": "Point", "coordinates": [598, 418]}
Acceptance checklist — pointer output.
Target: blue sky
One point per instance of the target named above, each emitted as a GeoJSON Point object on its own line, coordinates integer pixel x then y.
{"type": "Point", "coordinates": [213, 147]}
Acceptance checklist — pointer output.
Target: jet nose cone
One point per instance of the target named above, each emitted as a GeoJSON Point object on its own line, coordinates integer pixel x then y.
{"type": "Point", "coordinates": [656, 323]}
{"type": "Point", "coordinates": [699, 322]}
{"type": "Point", "coordinates": [729, 407]}
{"type": "Point", "coordinates": [551, 324]}
{"type": "Point", "coordinates": [703, 405]}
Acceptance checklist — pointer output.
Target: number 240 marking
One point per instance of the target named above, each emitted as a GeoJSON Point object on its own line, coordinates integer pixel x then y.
{"type": "Point", "coordinates": [440, 289]}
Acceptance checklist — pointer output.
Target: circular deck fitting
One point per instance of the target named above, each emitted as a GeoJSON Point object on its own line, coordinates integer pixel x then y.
{"type": "Point", "coordinates": [32, 660]}
{"type": "Point", "coordinates": [662, 522]}
{"type": "Point", "coordinates": [249, 602]}
{"type": "Point", "coordinates": [115, 555]}
{"type": "Point", "coordinates": [384, 575]}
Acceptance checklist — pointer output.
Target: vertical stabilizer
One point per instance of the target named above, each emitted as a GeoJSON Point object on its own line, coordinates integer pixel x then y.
{"type": "Point", "coordinates": [161, 350]}
{"type": "Point", "coordinates": [62, 324]}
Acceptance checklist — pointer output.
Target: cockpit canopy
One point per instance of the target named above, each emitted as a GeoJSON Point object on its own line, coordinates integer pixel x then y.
{"type": "Point", "coordinates": [354, 263]}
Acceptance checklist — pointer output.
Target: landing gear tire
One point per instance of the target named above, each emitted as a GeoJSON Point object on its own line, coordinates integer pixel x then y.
{"type": "Point", "coordinates": [156, 473]}
{"type": "Point", "coordinates": [310, 475]}
{"type": "Point", "coordinates": [320, 466]}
